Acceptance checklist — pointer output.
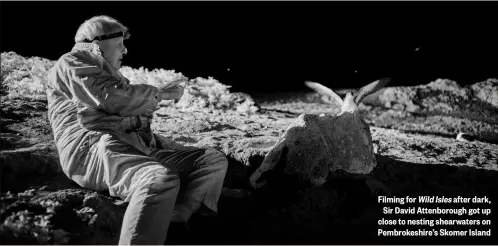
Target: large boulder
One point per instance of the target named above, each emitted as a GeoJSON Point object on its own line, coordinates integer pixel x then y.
{"type": "Point", "coordinates": [314, 145]}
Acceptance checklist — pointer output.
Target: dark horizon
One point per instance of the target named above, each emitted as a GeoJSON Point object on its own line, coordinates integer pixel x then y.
{"type": "Point", "coordinates": [276, 46]}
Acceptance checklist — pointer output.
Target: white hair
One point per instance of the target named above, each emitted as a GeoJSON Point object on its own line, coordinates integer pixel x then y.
{"type": "Point", "coordinates": [96, 26]}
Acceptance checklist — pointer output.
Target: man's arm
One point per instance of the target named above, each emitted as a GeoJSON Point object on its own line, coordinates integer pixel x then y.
{"type": "Point", "coordinates": [94, 87]}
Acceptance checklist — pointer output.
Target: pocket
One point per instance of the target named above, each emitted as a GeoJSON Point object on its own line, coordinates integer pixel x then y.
{"type": "Point", "coordinates": [83, 150]}
{"type": "Point", "coordinates": [90, 140]}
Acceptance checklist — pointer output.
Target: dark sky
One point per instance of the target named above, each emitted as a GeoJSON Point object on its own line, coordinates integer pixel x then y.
{"type": "Point", "coordinates": [270, 46]}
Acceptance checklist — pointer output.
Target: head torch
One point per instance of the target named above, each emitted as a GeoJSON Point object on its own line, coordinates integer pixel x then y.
{"type": "Point", "coordinates": [125, 34]}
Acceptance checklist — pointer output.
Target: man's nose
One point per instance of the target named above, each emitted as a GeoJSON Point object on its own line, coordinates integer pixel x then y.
{"type": "Point", "coordinates": [125, 51]}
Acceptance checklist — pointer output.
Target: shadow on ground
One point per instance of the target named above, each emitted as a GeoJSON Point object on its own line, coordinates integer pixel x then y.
{"type": "Point", "coordinates": [346, 210]}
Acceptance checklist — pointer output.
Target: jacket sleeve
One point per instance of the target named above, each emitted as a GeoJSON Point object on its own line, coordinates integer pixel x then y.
{"type": "Point", "coordinates": [94, 87]}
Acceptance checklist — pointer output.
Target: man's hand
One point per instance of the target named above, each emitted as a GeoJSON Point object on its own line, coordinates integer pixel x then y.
{"type": "Point", "coordinates": [172, 93]}
{"type": "Point", "coordinates": [173, 90]}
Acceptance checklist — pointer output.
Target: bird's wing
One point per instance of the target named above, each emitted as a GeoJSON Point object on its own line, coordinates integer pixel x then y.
{"type": "Point", "coordinates": [371, 88]}
{"type": "Point", "coordinates": [324, 91]}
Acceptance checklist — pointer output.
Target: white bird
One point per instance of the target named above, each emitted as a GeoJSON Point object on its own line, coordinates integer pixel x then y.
{"type": "Point", "coordinates": [352, 99]}
{"type": "Point", "coordinates": [465, 137]}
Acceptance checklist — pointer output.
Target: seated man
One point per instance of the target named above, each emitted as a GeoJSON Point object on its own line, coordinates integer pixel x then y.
{"type": "Point", "coordinates": [101, 126]}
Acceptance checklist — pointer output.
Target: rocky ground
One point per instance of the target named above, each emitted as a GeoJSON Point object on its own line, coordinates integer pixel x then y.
{"type": "Point", "coordinates": [413, 129]}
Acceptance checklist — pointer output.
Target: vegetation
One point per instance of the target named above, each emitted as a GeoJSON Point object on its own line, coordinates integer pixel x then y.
{"type": "Point", "coordinates": [27, 77]}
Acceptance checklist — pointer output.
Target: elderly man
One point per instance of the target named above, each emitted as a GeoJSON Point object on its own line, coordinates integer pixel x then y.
{"type": "Point", "coordinates": [101, 126]}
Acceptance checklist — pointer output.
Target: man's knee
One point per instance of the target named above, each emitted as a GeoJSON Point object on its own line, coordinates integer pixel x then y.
{"type": "Point", "coordinates": [158, 179]}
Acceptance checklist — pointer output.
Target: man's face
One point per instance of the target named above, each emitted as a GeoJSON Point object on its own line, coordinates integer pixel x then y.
{"type": "Point", "coordinates": [113, 50]}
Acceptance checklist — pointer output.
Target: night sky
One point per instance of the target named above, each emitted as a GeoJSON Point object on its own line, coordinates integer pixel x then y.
{"type": "Point", "coordinates": [275, 46]}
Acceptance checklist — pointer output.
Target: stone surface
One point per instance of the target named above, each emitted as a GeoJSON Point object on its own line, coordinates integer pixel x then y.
{"type": "Point", "coordinates": [313, 145]}
{"type": "Point", "coordinates": [444, 97]}
{"type": "Point", "coordinates": [61, 216]}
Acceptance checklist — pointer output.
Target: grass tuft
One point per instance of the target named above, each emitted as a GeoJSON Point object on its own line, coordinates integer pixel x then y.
{"type": "Point", "coordinates": [27, 78]}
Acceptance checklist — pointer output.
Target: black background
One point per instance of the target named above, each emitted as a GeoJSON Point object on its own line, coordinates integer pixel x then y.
{"type": "Point", "coordinates": [275, 46]}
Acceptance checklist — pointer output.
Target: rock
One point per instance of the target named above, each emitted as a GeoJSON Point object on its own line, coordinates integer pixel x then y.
{"type": "Point", "coordinates": [314, 145]}
{"type": "Point", "coordinates": [65, 216]}
{"type": "Point", "coordinates": [106, 215]}
{"type": "Point", "coordinates": [486, 91]}
{"type": "Point", "coordinates": [444, 97]}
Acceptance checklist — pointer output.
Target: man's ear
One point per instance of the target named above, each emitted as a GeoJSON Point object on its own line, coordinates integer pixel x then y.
{"type": "Point", "coordinates": [96, 48]}
{"type": "Point", "coordinates": [97, 42]}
